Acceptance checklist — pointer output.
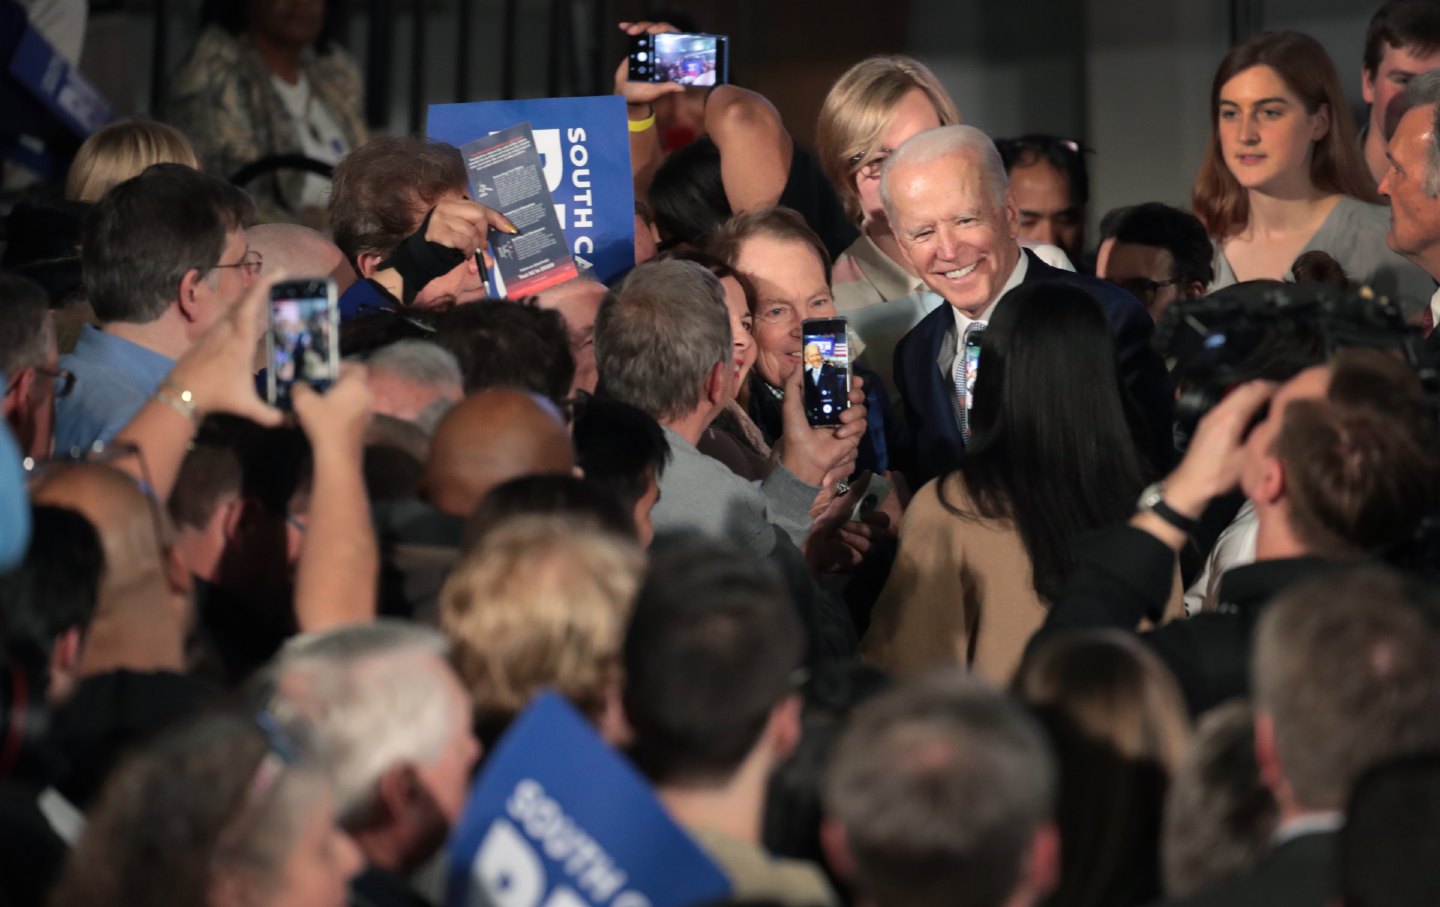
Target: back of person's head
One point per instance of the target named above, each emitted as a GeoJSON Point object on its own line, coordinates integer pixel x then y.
{"type": "Point", "coordinates": [944, 789]}
{"type": "Point", "coordinates": [300, 251]}
{"type": "Point", "coordinates": [47, 602]}
{"type": "Point", "coordinates": [1219, 815]}
{"type": "Point", "coordinates": [1362, 467]}
{"type": "Point", "coordinates": [213, 813]}
{"type": "Point", "coordinates": [858, 109]}
{"type": "Point", "coordinates": [148, 231]}
{"type": "Point", "coordinates": [1412, 25]}
{"type": "Point", "coordinates": [687, 195]}
{"type": "Point", "coordinates": [376, 695]}
{"type": "Point", "coordinates": [42, 242]}
{"type": "Point", "coordinates": [414, 380]}
{"type": "Point", "coordinates": [1048, 406]}
{"type": "Point", "coordinates": [122, 149]}
{"type": "Point", "coordinates": [1316, 266]}
{"type": "Point", "coordinates": [491, 437]}
{"type": "Point", "coordinates": [1336, 162]}
{"type": "Point", "coordinates": [1343, 673]}
{"type": "Point", "coordinates": [1120, 729]}
{"type": "Point", "coordinates": [26, 333]}
{"type": "Point", "coordinates": [1065, 155]}
{"type": "Point", "coordinates": [234, 456]}
{"type": "Point", "coordinates": [580, 501]}
{"type": "Point", "coordinates": [541, 601]}
{"type": "Point", "coordinates": [498, 343]}
{"type": "Point", "coordinates": [711, 651]}
{"type": "Point", "coordinates": [1178, 232]}
{"type": "Point", "coordinates": [619, 447]}
{"type": "Point", "coordinates": [1391, 835]}
{"type": "Point", "coordinates": [775, 223]}
{"type": "Point", "coordinates": [659, 338]}
{"type": "Point", "coordinates": [374, 329]}
{"type": "Point", "coordinates": [381, 191]}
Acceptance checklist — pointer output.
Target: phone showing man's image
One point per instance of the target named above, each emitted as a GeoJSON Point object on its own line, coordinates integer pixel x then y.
{"type": "Point", "coordinates": [303, 342]}
{"type": "Point", "coordinates": [825, 355]}
{"type": "Point", "coordinates": [682, 58]}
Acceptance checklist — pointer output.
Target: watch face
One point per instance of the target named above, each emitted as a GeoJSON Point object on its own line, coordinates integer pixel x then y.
{"type": "Point", "coordinates": [1151, 496]}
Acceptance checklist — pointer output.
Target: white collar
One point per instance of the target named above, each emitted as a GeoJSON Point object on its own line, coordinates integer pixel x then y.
{"type": "Point", "coordinates": [1312, 823]}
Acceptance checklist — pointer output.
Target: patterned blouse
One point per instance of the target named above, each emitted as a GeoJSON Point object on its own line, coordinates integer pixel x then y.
{"type": "Point", "coordinates": [222, 97]}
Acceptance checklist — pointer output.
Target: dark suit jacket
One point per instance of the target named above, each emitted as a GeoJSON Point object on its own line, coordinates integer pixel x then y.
{"type": "Point", "coordinates": [927, 393]}
{"type": "Point", "coordinates": [1298, 873]}
{"type": "Point", "coordinates": [831, 384]}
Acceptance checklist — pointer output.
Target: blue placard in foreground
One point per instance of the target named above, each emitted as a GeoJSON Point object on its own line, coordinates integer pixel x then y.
{"type": "Point", "coordinates": [584, 146]}
{"type": "Point", "coordinates": [559, 819]}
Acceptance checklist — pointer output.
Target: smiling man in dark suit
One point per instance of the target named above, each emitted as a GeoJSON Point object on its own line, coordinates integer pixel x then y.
{"type": "Point", "coordinates": [824, 383]}
{"type": "Point", "coordinates": [949, 203]}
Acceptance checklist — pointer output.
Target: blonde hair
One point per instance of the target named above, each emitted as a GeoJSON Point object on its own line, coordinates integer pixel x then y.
{"type": "Point", "coordinates": [121, 150]}
{"type": "Point", "coordinates": [860, 106]}
{"type": "Point", "coordinates": [540, 602]}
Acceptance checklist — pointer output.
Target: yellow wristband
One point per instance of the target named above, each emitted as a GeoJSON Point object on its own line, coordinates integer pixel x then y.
{"type": "Point", "coordinates": [642, 125]}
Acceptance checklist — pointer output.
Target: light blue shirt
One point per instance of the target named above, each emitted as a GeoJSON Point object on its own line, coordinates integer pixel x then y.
{"type": "Point", "coordinates": [113, 379]}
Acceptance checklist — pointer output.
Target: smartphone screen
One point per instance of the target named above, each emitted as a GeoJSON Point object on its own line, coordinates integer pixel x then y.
{"type": "Point", "coordinates": [303, 343]}
{"type": "Point", "coordinates": [825, 360]}
{"type": "Point", "coordinates": [972, 368]}
{"type": "Point", "coordinates": [682, 58]}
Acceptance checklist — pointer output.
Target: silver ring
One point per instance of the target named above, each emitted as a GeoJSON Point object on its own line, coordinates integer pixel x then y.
{"type": "Point", "coordinates": [842, 489]}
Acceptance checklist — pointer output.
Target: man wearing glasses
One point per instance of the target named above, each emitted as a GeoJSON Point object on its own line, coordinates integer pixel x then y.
{"type": "Point", "coordinates": [28, 362]}
{"type": "Point", "coordinates": [1161, 255]}
{"type": "Point", "coordinates": [164, 257]}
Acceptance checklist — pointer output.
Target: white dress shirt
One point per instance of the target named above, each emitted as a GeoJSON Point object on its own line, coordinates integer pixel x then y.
{"type": "Point", "coordinates": [962, 321]}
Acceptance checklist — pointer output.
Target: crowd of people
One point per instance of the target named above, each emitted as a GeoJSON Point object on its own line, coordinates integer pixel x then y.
{"type": "Point", "coordinates": [1018, 628]}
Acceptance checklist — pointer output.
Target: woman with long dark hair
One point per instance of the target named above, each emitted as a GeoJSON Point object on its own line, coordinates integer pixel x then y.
{"type": "Point", "coordinates": [1284, 175]}
{"type": "Point", "coordinates": [1052, 455]}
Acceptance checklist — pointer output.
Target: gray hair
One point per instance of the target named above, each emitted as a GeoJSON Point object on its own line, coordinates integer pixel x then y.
{"type": "Point", "coordinates": [419, 361]}
{"type": "Point", "coordinates": [659, 337]}
{"type": "Point", "coordinates": [941, 785]}
{"type": "Point", "coordinates": [26, 334]}
{"type": "Point", "coordinates": [371, 701]}
{"type": "Point", "coordinates": [942, 142]}
{"type": "Point", "coordinates": [1424, 91]}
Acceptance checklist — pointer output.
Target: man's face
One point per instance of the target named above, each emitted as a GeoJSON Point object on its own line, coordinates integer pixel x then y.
{"type": "Point", "coordinates": [1414, 216]}
{"type": "Point", "coordinates": [1048, 214]}
{"type": "Point", "coordinates": [1311, 384]}
{"type": "Point", "coordinates": [578, 301]}
{"type": "Point", "coordinates": [1384, 89]}
{"type": "Point", "coordinates": [459, 285]}
{"type": "Point", "coordinates": [813, 358]}
{"type": "Point", "coordinates": [38, 434]}
{"type": "Point", "coordinates": [789, 282]}
{"type": "Point", "coordinates": [644, 508]}
{"type": "Point", "coordinates": [447, 777]}
{"type": "Point", "coordinates": [1139, 268]}
{"type": "Point", "coordinates": [960, 243]}
{"type": "Point", "coordinates": [222, 287]}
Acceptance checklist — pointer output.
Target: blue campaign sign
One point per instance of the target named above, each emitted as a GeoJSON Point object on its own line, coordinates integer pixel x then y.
{"type": "Point", "coordinates": [58, 85]}
{"type": "Point", "coordinates": [558, 819]}
{"type": "Point", "coordinates": [584, 146]}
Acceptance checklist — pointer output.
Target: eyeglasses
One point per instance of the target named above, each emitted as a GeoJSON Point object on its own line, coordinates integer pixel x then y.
{"type": "Point", "coordinates": [64, 380]}
{"type": "Point", "coordinates": [870, 169]}
{"type": "Point", "coordinates": [249, 264]}
{"type": "Point", "coordinates": [1145, 290]}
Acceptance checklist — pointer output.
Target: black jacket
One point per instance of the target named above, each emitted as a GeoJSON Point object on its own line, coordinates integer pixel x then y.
{"type": "Point", "coordinates": [1123, 574]}
{"type": "Point", "coordinates": [1299, 873]}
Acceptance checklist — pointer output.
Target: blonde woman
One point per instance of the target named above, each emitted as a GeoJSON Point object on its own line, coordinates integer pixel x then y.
{"type": "Point", "coordinates": [121, 150]}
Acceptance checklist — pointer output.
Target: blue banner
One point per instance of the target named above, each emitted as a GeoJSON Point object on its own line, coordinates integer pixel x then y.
{"type": "Point", "coordinates": [559, 819]}
{"type": "Point", "coordinates": [584, 146]}
{"type": "Point", "coordinates": [58, 85]}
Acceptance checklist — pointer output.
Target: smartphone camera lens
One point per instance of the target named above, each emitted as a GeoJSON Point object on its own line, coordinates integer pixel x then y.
{"type": "Point", "coordinates": [642, 56]}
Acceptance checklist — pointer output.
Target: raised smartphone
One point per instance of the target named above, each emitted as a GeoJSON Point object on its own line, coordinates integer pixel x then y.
{"type": "Point", "coordinates": [303, 343]}
{"type": "Point", "coordinates": [678, 57]}
{"type": "Point", "coordinates": [825, 361]}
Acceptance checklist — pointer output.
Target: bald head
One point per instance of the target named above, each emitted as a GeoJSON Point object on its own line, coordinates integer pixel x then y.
{"type": "Point", "coordinates": [142, 610]}
{"type": "Point", "coordinates": [491, 437]}
{"type": "Point", "coordinates": [301, 252]}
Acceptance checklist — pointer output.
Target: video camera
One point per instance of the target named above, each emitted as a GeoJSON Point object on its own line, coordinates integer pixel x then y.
{"type": "Point", "coordinates": [1271, 330]}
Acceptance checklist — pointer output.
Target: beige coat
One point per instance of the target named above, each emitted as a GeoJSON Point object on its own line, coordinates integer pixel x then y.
{"type": "Point", "coordinates": [961, 592]}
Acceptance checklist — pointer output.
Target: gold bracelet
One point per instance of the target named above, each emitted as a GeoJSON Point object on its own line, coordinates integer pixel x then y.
{"type": "Point", "coordinates": [178, 399]}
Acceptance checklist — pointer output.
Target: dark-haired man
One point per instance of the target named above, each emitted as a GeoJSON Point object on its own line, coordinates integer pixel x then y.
{"type": "Point", "coordinates": [1161, 255]}
{"type": "Point", "coordinates": [165, 256]}
{"type": "Point", "coordinates": [1403, 40]}
{"type": "Point", "coordinates": [28, 362]}
{"type": "Point", "coordinates": [710, 658]}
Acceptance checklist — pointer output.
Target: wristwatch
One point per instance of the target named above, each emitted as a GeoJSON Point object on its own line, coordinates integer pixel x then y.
{"type": "Point", "coordinates": [1152, 500]}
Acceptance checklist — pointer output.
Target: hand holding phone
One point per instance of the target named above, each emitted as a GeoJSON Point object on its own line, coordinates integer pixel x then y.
{"type": "Point", "coordinates": [303, 342]}
{"type": "Point", "coordinates": [825, 363]}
